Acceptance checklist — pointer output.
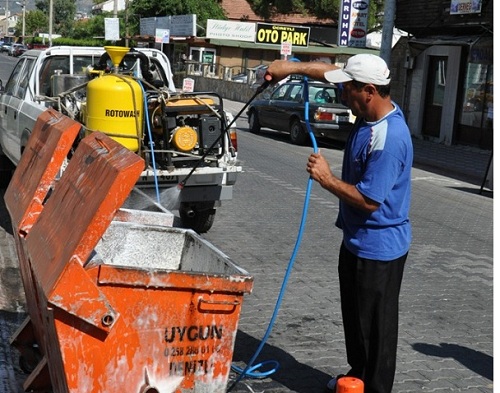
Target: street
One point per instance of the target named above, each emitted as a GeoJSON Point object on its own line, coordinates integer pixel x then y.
{"type": "Point", "coordinates": [446, 334]}
{"type": "Point", "coordinates": [446, 309]}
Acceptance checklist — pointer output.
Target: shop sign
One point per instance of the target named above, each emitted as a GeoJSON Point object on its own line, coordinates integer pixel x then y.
{"type": "Point", "coordinates": [178, 25]}
{"type": "Point", "coordinates": [353, 23]}
{"type": "Point", "coordinates": [162, 36]}
{"type": "Point", "coordinates": [111, 29]}
{"type": "Point", "coordinates": [277, 34]}
{"type": "Point", "coordinates": [230, 30]}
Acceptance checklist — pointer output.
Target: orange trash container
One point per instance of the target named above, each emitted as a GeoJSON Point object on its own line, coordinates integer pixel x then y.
{"type": "Point", "coordinates": [114, 305]}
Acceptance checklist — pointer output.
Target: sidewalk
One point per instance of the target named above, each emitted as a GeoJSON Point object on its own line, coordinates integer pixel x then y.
{"type": "Point", "coordinates": [460, 162]}
{"type": "Point", "coordinates": [464, 163]}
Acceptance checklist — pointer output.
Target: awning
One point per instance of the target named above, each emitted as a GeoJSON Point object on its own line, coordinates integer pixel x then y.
{"type": "Point", "coordinates": [418, 45]}
{"type": "Point", "coordinates": [312, 49]}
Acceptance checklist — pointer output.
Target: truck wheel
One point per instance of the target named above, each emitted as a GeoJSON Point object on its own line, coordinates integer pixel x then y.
{"type": "Point", "coordinates": [6, 170]}
{"type": "Point", "coordinates": [199, 218]}
{"type": "Point", "coordinates": [297, 134]}
{"type": "Point", "coordinates": [253, 122]}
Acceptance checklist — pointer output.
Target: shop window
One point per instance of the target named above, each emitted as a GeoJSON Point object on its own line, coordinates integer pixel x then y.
{"type": "Point", "coordinates": [203, 60]}
{"type": "Point", "coordinates": [477, 108]}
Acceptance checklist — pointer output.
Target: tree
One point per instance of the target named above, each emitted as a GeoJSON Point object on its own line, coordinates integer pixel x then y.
{"type": "Point", "coordinates": [322, 9]}
{"type": "Point", "coordinates": [94, 27]}
{"type": "Point", "coordinates": [64, 14]}
{"type": "Point", "coordinates": [36, 22]}
{"type": "Point", "coordinates": [90, 28]}
{"type": "Point", "coordinates": [376, 15]}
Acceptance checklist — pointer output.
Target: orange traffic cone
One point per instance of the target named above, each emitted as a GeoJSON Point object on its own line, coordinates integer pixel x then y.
{"type": "Point", "coordinates": [350, 385]}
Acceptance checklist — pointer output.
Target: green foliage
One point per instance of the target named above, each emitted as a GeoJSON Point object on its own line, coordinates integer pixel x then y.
{"type": "Point", "coordinates": [36, 21]}
{"type": "Point", "coordinates": [94, 27]}
{"type": "Point", "coordinates": [62, 41]}
{"type": "Point", "coordinates": [64, 14]}
{"type": "Point", "coordinates": [81, 42]}
{"type": "Point", "coordinates": [321, 9]}
{"type": "Point", "coordinates": [376, 15]}
{"type": "Point", "coordinates": [88, 28]}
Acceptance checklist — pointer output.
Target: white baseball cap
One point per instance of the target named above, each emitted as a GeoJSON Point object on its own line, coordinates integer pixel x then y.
{"type": "Point", "coordinates": [364, 68]}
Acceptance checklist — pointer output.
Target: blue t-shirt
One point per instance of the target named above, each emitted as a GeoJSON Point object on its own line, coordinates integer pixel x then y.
{"type": "Point", "coordinates": [378, 160]}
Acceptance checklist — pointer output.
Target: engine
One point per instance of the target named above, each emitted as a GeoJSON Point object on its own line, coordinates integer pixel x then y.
{"type": "Point", "coordinates": [169, 130]}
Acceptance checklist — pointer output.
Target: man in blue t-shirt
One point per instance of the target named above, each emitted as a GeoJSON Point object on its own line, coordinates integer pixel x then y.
{"type": "Point", "coordinates": [374, 201]}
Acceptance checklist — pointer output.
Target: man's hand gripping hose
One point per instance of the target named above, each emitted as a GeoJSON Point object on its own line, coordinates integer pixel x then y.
{"type": "Point", "coordinates": [251, 370]}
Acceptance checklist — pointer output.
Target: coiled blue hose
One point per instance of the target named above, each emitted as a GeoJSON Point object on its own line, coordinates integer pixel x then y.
{"type": "Point", "coordinates": [251, 370]}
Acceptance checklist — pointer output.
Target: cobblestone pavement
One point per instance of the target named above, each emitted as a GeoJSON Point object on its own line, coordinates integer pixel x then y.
{"type": "Point", "coordinates": [446, 320]}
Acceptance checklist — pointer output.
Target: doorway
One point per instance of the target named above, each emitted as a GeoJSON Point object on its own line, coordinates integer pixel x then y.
{"type": "Point", "coordinates": [434, 96]}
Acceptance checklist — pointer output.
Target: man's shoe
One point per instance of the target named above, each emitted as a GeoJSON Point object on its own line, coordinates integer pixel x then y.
{"type": "Point", "coordinates": [331, 386]}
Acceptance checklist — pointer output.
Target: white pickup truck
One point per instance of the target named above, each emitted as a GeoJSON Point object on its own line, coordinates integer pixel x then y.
{"type": "Point", "coordinates": [130, 95]}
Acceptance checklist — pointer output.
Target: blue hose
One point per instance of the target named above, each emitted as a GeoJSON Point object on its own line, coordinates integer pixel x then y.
{"type": "Point", "coordinates": [146, 116]}
{"type": "Point", "coordinates": [250, 369]}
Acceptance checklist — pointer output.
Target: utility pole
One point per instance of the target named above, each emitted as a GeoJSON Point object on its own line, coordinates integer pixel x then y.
{"type": "Point", "coordinates": [23, 32]}
{"type": "Point", "coordinates": [126, 23]}
{"type": "Point", "coordinates": [24, 20]}
{"type": "Point", "coordinates": [388, 30]}
{"type": "Point", "coordinates": [7, 18]}
{"type": "Point", "coordinates": [51, 17]}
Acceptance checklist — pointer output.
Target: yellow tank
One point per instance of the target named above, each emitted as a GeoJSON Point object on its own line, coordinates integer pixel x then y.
{"type": "Point", "coordinates": [114, 107]}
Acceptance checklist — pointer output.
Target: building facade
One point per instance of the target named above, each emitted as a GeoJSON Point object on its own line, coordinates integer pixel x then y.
{"type": "Point", "coordinates": [448, 70]}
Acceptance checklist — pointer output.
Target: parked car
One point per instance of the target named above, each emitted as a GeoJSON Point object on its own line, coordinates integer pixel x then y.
{"type": "Point", "coordinates": [283, 110]}
{"type": "Point", "coordinates": [17, 50]}
{"type": "Point", "coordinates": [240, 78]}
{"type": "Point", "coordinates": [256, 75]}
{"type": "Point", "coordinates": [5, 47]}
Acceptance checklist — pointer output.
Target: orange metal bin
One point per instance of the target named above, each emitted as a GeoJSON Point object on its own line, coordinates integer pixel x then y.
{"type": "Point", "coordinates": [178, 300]}
{"type": "Point", "coordinates": [116, 305]}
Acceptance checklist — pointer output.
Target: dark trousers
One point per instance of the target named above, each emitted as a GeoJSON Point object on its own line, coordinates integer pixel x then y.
{"type": "Point", "coordinates": [369, 293]}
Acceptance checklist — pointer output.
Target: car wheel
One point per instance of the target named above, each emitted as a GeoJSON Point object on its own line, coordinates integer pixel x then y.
{"type": "Point", "coordinates": [253, 122]}
{"type": "Point", "coordinates": [297, 134]}
{"type": "Point", "coordinates": [198, 217]}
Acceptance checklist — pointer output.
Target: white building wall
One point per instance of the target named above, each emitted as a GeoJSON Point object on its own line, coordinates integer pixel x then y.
{"type": "Point", "coordinates": [416, 106]}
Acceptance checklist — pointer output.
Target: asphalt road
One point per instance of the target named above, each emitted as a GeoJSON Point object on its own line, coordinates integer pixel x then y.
{"type": "Point", "coordinates": [6, 65]}
{"type": "Point", "coordinates": [446, 326]}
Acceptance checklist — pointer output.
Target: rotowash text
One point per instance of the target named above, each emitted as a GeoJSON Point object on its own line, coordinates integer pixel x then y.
{"type": "Point", "coordinates": [121, 113]}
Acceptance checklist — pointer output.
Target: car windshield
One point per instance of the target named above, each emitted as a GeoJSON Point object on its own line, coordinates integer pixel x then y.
{"type": "Point", "coordinates": [318, 94]}
{"type": "Point", "coordinates": [323, 94]}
